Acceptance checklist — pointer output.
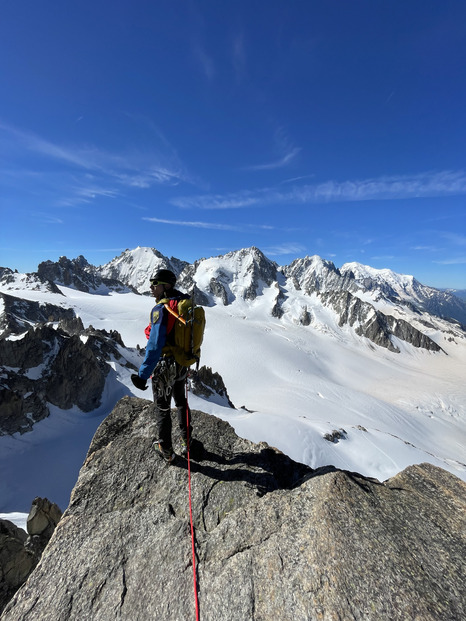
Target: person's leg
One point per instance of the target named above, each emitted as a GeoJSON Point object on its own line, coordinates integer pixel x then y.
{"type": "Point", "coordinates": [182, 410]}
{"type": "Point", "coordinates": [163, 420]}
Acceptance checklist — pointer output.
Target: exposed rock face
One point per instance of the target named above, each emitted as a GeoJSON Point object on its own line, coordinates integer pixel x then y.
{"type": "Point", "coordinates": [186, 283]}
{"type": "Point", "coordinates": [218, 290]}
{"type": "Point", "coordinates": [47, 365]}
{"type": "Point", "coordinates": [16, 562]}
{"type": "Point", "coordinates": [403, 289]}
{"type": "Point", "coordinates": [19, 554]}
{"type": "Point", "coordinates": [242, 274]}
{"type": "Point", "coordinates": [277, 308]}
{"type": "Point", "coordinates": [373, 324]}
{"type": "Point", "coordinates": [12, 280]}
{"type": "Point", "coordinates": [274, 539]}
{"type": "Point", "coordinates": [64, 366]}
{"type": "Point", "coordinates": [19, 315]}
{"type": "Point", "coordinates": [313, 274]}
{"type": "Point", "coordinates": [5, 272]}
{"type": "Point", "coordinates": [205, 383]}
{"type": "Point", "coordinates": [78, 274]}
{"type": "Point", "coordinates": [306, 317]}
{"type": "Point", "coordinates": [42, 521]}
{"type": "Point", "coordinates": [261, 270]}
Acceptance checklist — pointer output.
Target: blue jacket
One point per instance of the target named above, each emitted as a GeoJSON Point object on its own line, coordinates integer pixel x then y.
{"type": "Point", "coordinates": [157, 339]}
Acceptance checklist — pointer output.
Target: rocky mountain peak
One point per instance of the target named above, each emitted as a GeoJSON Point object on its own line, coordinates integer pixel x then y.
{"type": "Point", "coordinates": [273, 539]}
{"type": "Point", "coordinates": [238, 275]}
{"type": "Point", "coordinates": [136, 267]}
{"type": "Point", "coordinates": [77, 274]}
{"type": "Point", "coordinates": [313, 274]}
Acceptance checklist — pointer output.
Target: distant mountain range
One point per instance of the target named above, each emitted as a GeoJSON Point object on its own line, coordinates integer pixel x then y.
{"type": "Point", "coordinates": [379, 304]}
{"type": "Point", "coordinates": [312, 274]}
{"type": "Point", "coordinates": [132, 270]}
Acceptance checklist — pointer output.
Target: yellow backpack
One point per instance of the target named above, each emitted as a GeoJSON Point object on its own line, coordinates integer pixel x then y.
{"type": "Point", "coordinates": [186, 335]}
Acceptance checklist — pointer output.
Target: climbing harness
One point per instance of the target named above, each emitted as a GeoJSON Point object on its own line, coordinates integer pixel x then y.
{"type": "Point", "coordinates": [196, 602]}
{"type": "Point", "coordinates": [165, 374]}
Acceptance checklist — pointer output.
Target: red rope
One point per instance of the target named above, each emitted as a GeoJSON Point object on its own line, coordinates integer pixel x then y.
{"type": "Point", "coordinates": [196, 602]}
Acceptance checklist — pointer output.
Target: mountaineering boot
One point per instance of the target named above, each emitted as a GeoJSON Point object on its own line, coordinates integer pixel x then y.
{"type": "Point", "coordinates": [167, 455]}
{"type": "Point", "coordinates": [184, 447]}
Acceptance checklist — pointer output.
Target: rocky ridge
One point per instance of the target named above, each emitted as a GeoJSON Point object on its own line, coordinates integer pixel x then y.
{"type": "Point", "coordinates": [20, 552]}
{"type": "Point", "coordinates": [273, 538]}
{"type": "Point", "coordinates": [209, 385]}
{"type": "Point", "coordinates": [403, 289]}
{"type": "Point", "coordinates": [375, 325]}
{"type": "Point", "coordinates": [13, 281]}
{"type": "Point", "coordinates": [47, 357]}
{"type": "Point", "coordinates": [79, 274]}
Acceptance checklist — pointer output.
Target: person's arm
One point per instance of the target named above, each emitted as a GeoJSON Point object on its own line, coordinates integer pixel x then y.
{"type": "Point", "coordinates": [157, 339]}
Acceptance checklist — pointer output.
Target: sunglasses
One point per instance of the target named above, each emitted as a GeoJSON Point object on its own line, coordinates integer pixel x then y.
{"type": "Point", "coordinates": [156, 283]}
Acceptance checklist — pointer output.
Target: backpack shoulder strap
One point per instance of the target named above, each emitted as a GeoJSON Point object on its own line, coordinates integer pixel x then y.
{"type": "Point", "coordinates": [171, 305]}
{"type": "Point", "coordinates": [172, 309]}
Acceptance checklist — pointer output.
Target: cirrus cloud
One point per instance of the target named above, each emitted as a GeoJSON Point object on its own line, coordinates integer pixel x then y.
{"type": "Point", "coordinates": [423, 185]}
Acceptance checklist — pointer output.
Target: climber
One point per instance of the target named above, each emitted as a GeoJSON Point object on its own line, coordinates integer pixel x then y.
{"type": "Point", "coordinates": [168, 376]}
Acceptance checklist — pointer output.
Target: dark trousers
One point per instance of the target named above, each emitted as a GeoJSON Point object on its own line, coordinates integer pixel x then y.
{"type": "Point", "coordinates": [169, 381]}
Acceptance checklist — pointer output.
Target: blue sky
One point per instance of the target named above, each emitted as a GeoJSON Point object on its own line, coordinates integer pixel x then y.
{"type": "Point", "coordinates": [198, 127]}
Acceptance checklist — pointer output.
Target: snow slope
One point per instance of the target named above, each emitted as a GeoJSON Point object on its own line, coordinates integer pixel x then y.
{"type": "Point", "coordinates": [298, 382]}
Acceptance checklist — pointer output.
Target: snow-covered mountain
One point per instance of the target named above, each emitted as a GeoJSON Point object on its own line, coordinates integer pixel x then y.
{"type": "Point", "coordinates": [328, 370]}
{"type": "Point", "coordinates": [406, 290]}
{"type": "Point", "coordinates": [221, 278]}
{"type": "Point", "coordinates": [136, 267]}
{"type": "Point", "coordinates": [378, 304]}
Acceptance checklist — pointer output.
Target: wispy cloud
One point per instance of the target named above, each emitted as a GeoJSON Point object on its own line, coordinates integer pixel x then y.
{"type": "Point", "coordinates": [426, 248]}
{"type": "Point", "coordinates": [135, 168]}
{"type": "Point", "coordinates": [383, 257]}
{"type": "Point", "coordinates": [195, 224]}
{"type": "Point", "coordinates": [285, 150]}
{"type": "Point", "coordinates": [217, 201]}
{"type": "Point", "coordinates": [294, 179]}
{"type": "Point", "coordinates": [291, 248]}
{"type": "Point", "coordinates": [425, 185]}
{"type": "Point", "coordinates": [454, 261]}
{"type": "Point", "coordinates": [85, 194]}
{"type": "Point", "coordinates": [36, 144]}
{"type": "Point", "coordinates": [455, 238]}
{"type": "Point", "coordinates": [215, 225]}
{"type": "Point", "coordinates": [286, 159]}
{"type": "Point", "coordinates": [45, 218]}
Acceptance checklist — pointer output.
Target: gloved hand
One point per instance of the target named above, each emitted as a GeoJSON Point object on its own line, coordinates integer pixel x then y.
{"type": "Point", "coordinates": [139, 382]}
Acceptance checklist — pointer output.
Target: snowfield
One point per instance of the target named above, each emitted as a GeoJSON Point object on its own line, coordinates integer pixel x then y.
{"type": "Point", "coordinates": [298, 384]}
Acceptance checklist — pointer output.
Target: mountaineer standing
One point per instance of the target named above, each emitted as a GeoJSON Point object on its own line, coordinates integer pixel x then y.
{"type": "Point", "coordinates": [175, 334]}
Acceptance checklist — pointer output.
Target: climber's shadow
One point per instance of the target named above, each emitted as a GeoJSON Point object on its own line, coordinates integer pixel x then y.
{"type": "Point", "coordinates": [266, 471]}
